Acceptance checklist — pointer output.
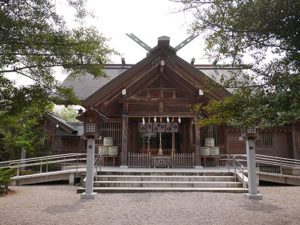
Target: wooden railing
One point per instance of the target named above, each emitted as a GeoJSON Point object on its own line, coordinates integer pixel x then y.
{"type": "Point", "coordinates": [183, 160]}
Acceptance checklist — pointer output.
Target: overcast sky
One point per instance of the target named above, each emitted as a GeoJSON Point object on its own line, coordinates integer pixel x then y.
{"type": "Point", "coordinates": [147, 19]}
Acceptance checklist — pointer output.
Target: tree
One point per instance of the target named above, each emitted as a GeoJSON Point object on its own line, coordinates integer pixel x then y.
{"type": "Point", "coordinates": [69, 113]}
{"type": "Point", "coordinates": [265, 35]}
{"type": "Point", "coordinates": [5, 175]}
{"type": "Point", "coordinates": [33, 41]}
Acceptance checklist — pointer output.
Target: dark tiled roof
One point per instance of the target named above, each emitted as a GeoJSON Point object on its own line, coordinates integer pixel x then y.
{"type": "Point", "coordinates": [85, 85]}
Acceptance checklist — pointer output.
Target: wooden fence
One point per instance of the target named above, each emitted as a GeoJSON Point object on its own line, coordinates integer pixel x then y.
{"type": "Point", "coordinates": [183, 160]}
{"type": "Point", "coordinates": [179, 160]}
{"type": "Point", "coordinates": [139, 160]}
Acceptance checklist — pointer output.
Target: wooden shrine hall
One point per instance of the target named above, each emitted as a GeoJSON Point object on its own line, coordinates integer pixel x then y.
{"type": "Point", "coordinates": [149, 119]}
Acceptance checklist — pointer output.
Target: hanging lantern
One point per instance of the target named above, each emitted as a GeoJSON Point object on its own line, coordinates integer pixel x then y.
{"type": "Point", "coordinates": [90, 127]}
{"type": "Point", "coordinates": [91, 117]}
{"type": "Point", "coordinates": [249, 134]}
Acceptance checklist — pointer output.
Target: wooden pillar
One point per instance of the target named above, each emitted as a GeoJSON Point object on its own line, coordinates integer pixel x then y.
{"type": "Point", "coordinates": [191, 135]}
{"type": "Point", "coordinates": [197, 147]}
{"type": "Point", "coordinates": [124, 136]}
{"type": "Point", "coordinates": [295, 155]}
{"type": "Point", "coordinates": [124, 140]}
{"type": "Point", "coordinates": [60, 144]}
{"type": "Point", "coordinates": [225, 140]}
{"type": "Point", "coordinates": [173, 143]}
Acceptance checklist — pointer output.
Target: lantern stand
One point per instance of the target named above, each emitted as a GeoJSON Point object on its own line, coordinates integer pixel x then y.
{"type": "Point", "coordinates": [250, 135]}
{"type": "Point", "coordinates": [90, 117]}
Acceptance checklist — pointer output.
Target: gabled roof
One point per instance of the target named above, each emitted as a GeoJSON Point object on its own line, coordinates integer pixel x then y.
{"type": "Point", "coordinates": [66, 127]}
{"type": "Point", "coordinates": [87, 88]}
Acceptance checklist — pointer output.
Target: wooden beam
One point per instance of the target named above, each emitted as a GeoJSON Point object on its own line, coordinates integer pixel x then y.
{"type": "Point", "coordinates": [164, 114]}
{"type": "Point", "coordinates": [187, 90]}
{"type": "Point", "coordinates": [158, 100]}
{"type": "Point", "coordinates": [184, 75]}
{"type": "Point", "coordinates": [142, 85]}
{"type": "Point", "coordinates": [114, 91]}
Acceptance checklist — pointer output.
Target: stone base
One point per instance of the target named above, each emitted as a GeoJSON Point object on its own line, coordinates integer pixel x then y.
{"type": "Point", "coordinates": [198, 167]}
{"type": "Point", "coordinates": [87, 196]}
{"type": "Point", "coordinates": [124, 167]}
{"type": "Point", "coordinates": [254, 196]}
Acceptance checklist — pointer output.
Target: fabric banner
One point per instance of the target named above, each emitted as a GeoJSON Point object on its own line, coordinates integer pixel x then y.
{"type": "Point", "coordinates": [175, 127]}
{"type": "Point", "coordinates": [168, 127]}
{"type": "Point", "coordinates": [156, 127]}
{"type": "Point", "coordinates": [162, 127]}
{"type": "Point", "coordinates": [142, 127]}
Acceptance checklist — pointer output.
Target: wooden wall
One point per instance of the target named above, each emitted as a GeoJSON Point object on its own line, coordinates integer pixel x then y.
{"type": "Point", "coordinates": [281, 146]}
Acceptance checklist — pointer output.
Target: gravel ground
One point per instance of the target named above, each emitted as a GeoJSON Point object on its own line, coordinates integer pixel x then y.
{"type": "Point", "coordinates": [59, 204]}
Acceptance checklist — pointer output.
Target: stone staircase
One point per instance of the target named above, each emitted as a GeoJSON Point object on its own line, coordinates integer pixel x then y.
{"type": "Point", "coordinates": [161, 181]}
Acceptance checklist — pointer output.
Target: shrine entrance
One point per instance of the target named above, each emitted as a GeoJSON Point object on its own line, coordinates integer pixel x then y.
{"type": "Point", "coordinates": [159, 138]}
{"type": "Point", "coordinates": [152, 140]}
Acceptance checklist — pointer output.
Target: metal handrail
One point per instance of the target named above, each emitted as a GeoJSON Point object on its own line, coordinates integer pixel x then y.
{"type": "Point", "coordinates": [273, 161]}
{"type": "Point", "coordinates": [45, 160]}
{"type": "Point", "coordinates": [97, 163]}
{"type": "Point", "coordinates": [42, 157]}
{"type": "Point", "coordinates": [240, 168]}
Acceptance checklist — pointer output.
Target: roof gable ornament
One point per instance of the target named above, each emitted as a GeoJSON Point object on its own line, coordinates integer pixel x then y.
{"type": "Point", "coordinates": [163, 41]}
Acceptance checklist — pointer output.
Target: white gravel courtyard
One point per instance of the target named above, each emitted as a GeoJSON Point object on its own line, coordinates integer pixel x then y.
{"type": "Point", "coordinates": [59, 204]}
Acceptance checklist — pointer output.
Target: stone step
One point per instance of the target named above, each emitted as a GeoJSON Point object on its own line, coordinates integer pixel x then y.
{"type": "Point", "coordinates": [160, 189]}
{"type": "Point", "coordinates": [164, 173]}
{"type": "Point", "coordinates": [163, 184]}
{"type": "Point", "coordinates": [162, 178]}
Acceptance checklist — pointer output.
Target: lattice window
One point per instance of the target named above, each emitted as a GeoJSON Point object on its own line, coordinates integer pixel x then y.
{"type": "Point", "coordinates": [210, 131]}
{"type": "Point", "coordinates": [90, 127]}
{"type": "Point", "coordinates": [265, 139]}
{"type": "Point", "coordinates": [111, 129]}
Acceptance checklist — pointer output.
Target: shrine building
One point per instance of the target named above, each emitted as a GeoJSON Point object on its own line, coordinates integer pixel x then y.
{"type": "Point", "coordinates": [149, 118]}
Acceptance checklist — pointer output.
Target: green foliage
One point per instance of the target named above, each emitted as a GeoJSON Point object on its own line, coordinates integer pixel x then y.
{"type": "Point", "coordinates": [265, 34]}
{"type": "Point", "coordinates": [33, 41]}
{"type": "Point", "coordinates": [23, 130]}
{"type": "Point", "coordinates": [69, 113]}
{"type": "Point", "coordinates": [5, 175]}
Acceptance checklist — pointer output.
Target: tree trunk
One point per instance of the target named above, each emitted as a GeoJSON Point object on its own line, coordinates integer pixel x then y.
{"type": "Point", "coordinates": [6, 187]}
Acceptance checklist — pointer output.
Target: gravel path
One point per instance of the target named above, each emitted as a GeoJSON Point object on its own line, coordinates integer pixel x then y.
{"type": "Point", "coordinates": [59, 204]}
